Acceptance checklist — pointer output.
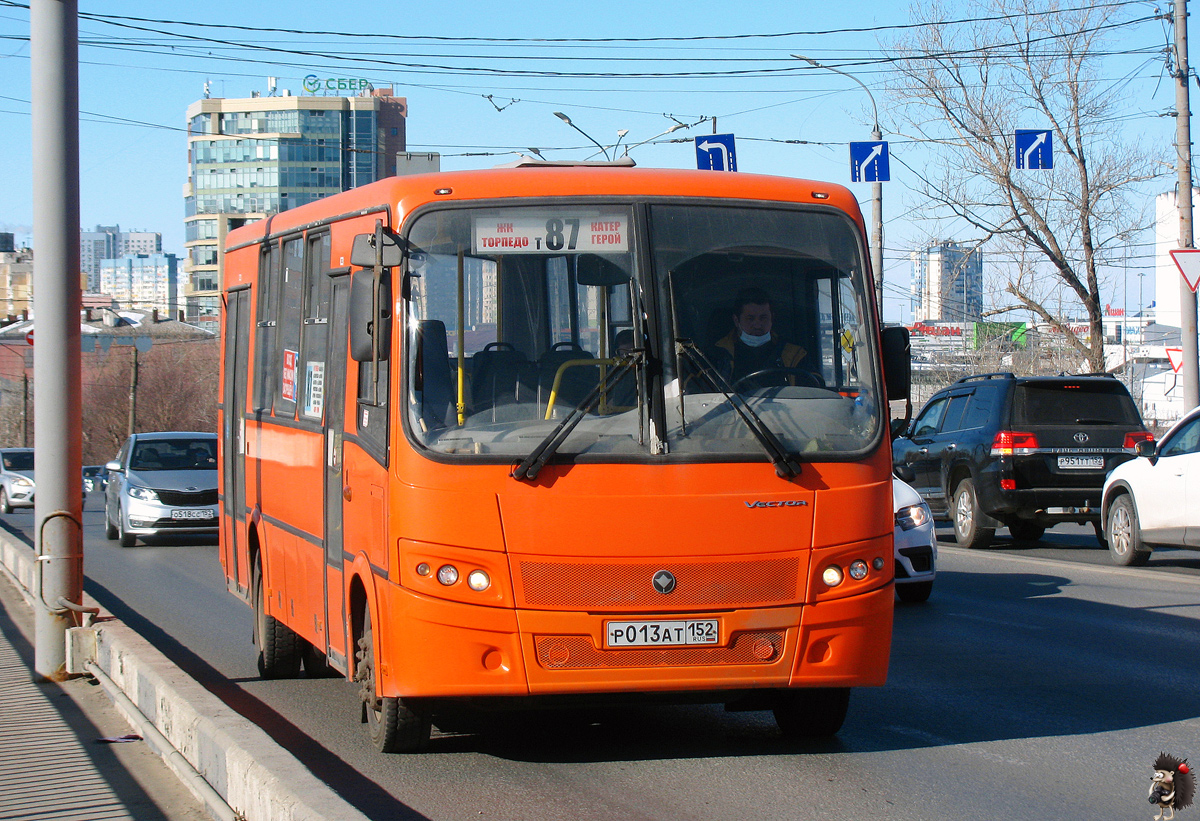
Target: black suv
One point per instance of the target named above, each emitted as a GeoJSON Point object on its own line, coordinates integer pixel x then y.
{"type": "Point", "coordinates": [998, 450]}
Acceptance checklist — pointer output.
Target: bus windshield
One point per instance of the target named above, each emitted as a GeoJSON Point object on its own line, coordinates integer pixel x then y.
{"type": "Point", "coordinates": [747, 315]}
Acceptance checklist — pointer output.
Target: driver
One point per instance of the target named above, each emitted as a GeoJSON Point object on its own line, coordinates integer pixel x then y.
{"type": "Point", "coordinates": [751, 346]}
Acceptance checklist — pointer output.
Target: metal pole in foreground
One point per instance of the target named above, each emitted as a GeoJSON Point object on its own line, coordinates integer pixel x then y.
{"type": "Point", "coordinates": [57, 413]}
{"type": "Point", "coordinates": [1190, 375]}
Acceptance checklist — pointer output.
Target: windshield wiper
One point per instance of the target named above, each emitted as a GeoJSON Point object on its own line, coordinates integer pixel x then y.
{"type": "Point", "coordinates": [786, 467]}
{"type": "Point", "coordinates": [536, 460]}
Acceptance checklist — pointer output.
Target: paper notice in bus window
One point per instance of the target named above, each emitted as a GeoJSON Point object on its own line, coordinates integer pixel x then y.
{"type": "Point", "coordinates": [550, 232]}
{"type": "Point", "coordinates": [314, 389]}
{"type": "Point", "coordinates": [289, 375]}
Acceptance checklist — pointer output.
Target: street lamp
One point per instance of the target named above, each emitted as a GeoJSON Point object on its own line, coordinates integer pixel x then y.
{"type": "Point", "coordinates": [876, 187]}
{"type": "Point", "coordinates": [567, 120]}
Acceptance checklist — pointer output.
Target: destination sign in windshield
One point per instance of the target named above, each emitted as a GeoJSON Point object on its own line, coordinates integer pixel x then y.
{"type": "Point", "coordinates": [550, 232]}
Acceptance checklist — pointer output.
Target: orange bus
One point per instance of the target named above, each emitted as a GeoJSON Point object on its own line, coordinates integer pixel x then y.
{"type": "Point", "coordinates": [485, 439]}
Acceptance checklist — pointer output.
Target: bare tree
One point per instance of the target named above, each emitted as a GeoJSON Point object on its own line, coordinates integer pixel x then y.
{"type": "Point", "coordinates": [967, 88]}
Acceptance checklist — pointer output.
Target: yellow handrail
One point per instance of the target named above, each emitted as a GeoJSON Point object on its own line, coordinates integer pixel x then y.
{"type": "Point", "coordinates": [558, 375]}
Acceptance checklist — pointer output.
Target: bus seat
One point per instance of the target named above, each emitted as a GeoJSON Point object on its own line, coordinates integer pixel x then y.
{"type": "Point", "coordinates": [577, 381]}
{"type": "Point", "coordinates": [433, 383]}
{"type": "Point", "coordinates": [499, 376]}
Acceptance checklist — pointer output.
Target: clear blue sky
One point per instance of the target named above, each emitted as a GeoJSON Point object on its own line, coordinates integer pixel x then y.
{"type": "Point", "coordinates": [137, 78]}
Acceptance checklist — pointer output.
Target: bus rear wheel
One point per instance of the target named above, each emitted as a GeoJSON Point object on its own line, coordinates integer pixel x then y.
{"type": "Point", "coordinates": [279, 648]}
{"type": "Point", "coordinates": [395, 725]}
{"type": "Point", "coordinates": [811, 713]}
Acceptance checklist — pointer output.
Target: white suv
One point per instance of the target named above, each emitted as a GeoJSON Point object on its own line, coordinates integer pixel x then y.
{"type": "Point", "coordinates": [916, 544]}
{"type": "Point", "coordinates": [1154, 500]}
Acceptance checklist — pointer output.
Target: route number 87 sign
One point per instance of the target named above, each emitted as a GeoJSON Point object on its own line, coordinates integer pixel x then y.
{"type": "Point", "coordinates": [550, 232]}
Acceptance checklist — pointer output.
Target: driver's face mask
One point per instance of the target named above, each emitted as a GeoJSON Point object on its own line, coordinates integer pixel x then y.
{"type": "Point", "coordinates": [756, 341]}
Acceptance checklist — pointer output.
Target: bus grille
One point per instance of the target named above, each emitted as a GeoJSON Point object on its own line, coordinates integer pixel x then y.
{"type": "Point", "coordinates": [579, 653]}
{"type": "Point", "coordinates": [758, 582]}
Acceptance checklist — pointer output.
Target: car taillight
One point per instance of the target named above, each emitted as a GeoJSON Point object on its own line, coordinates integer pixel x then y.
{"type": "Point", "coordinates": [1013, 443]}
{"type": "Point", "coordinates": [1131, 439]}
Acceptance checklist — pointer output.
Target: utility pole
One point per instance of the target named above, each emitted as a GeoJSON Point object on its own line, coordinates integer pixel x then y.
{"type": "Point", "coordinates": [133, 386]}
{"type": "Point", "coordinates": [1190, 374]}
{"type": "Point", "coordinates": [58, 506]}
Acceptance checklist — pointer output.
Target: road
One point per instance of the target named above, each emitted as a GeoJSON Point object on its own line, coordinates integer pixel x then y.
{"type": "Point", "coordinates": [1037, 682]}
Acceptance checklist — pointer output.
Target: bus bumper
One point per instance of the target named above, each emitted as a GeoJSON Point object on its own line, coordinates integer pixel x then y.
{"type": "Point", "coordinates": [449, 649]}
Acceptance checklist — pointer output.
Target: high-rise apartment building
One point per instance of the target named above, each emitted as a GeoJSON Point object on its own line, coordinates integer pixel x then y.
{"type": "Point", "coordinates": [143, 282]}
{"type": "Point", "coordinates": [110, 242]}
{"type": "Point", "coordinates": [252, 157]}
{"type": "Point", "coordinates": [947, 283]}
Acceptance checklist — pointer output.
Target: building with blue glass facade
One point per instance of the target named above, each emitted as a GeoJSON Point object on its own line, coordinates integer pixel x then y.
{"type": "Point", "coordinates": [252, 157]}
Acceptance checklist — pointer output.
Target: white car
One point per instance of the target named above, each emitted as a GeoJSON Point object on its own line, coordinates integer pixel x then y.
{"type": "Point", "coordinates": [916, 544]}
{"type": "Point", "coordinates": [1154, 500]}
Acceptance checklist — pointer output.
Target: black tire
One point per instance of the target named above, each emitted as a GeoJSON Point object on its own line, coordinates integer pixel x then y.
{"type": "Point", "coordinates": [1101, 536]}
{"type": "Point", "coordinates": [966, 514]}
{"type": "Point", "coordinates": [1125, 544]}
{"type": "Point", "coordinates": [395, 725]}
{"type": "Point", "coordinates": [126, 539]}
{"type": "Point", "coordinates": [811, 713]}
{"type": "Point", "coordinates": [914, 592]}
{"type": "Point", "coordinates": [279, 648]}
{"type": "Point", "coordinates": [110, 529]}
{"type": "Point", "coordinates": [1025, 531]}
{"type": "Point", "coordinates": [5, 507]}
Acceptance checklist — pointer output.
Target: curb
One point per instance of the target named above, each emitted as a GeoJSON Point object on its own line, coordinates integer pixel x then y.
{"type": "Point", "coordinates": [254, 776]}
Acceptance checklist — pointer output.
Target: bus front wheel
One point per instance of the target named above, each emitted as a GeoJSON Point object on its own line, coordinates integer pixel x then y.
{"type": "Point", "coordinates": [811, 713]}
{"type": "Point", "coordinates": [395, 725]}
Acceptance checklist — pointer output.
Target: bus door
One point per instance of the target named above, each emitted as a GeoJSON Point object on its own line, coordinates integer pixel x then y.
{"type": "Point", "coordinates": [335, 417]}
{"type": "Point", "coordinates": [237, 337]}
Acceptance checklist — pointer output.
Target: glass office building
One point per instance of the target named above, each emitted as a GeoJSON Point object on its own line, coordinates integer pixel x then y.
{"type": "Point", "coordinates": [252, 157]}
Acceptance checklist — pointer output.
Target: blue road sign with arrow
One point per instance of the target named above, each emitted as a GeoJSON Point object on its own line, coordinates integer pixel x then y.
{"type": "Point", "coordinates": [869, 162]}
{"type": "Point", "coordinates": [1035, 149]}
{"type": "Point", "coordinates": [714, 152]}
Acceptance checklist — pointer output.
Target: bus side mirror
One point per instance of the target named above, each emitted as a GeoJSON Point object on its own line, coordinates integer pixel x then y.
{"type": "Point", "coordinates": [370, 332]}
{"type": "Point", "coordinates": [362, 253]}
{"type": "Point", "coordinates": [897, 363]}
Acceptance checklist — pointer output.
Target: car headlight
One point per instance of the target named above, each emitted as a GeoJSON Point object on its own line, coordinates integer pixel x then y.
{"type": "Point", "coordinates": [911, 516]}
{"type": "Point", "coordinates": [144, 494]}
{"type": "Point", "coordinates": [21, 481]}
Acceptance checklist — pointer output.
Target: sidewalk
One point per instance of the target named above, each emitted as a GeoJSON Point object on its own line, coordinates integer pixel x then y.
{"type": "Point", "coordinates": [52, 768]}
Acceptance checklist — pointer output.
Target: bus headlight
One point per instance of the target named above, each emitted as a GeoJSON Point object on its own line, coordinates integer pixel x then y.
{"type": "Point", "coordinates": [478, 580]}
{"type": "Point", "coordinates": [832, 576]}
{"type": "Point", "coordinates": [858, 570]}
{"type": "Point", "coordinates": [447, 574]}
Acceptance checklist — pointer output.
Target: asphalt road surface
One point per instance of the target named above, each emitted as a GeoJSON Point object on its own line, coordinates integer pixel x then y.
{"type": "Point", "coordinates": [1038, 682]}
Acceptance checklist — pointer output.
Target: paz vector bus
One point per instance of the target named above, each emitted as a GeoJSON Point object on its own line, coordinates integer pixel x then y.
{"type": "Point", "coordinates": [479, 445]}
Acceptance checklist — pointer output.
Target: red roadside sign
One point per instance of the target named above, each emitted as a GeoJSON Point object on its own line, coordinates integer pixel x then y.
{"type": "Point", "coordinates": [29, 339]}
{"type": "Point", "coordinates": [1175, 357]}
{"type": "Point", "coordinates": [1187, 260]}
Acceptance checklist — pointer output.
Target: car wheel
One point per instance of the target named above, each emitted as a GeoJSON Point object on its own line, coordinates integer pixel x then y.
{"type": "Point", "coordinates": [126, 539]}
{"type": "Point", "coordinates": [967, 530]}
{"type": "Point", "coordinates": [110, 530]}
{"type": "Point", "coordinates": [811, 713]}
{"type": "Point", "coordinates": [1125, 544]}
{"type": "Point", "coordinates": [5, 507]}
{"type": "Point", "coordinates": [395, 725]}
{"type": "Point", "coordinates": [914, 592]}
{"type": "Point", "coordinates": [279, 652]}
{"type": "Point", "coordinates": [1024, 531]}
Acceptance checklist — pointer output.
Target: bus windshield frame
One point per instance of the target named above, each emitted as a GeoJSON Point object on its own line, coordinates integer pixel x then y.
{"type": "Point", "coordinates": [537, 333]}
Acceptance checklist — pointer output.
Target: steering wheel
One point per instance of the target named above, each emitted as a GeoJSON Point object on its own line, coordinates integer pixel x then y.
{"type": "Point", "coordinates": [802, 377]}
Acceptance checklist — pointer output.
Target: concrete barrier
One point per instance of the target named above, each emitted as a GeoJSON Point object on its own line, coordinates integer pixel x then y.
{"type": "Point", "coordinates": [254, 776]}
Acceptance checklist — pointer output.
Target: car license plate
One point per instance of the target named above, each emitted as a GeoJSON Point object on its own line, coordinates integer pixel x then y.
{"type": "Point", "coordinates": [191, 513]}
{"type": "Point", "coordinates": [1081, 462]}
{"type": "Point", "coordinates": [661, 633]}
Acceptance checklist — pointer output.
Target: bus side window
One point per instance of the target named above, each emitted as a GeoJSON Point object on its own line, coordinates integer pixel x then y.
{"type": "Point", "coordinates": [266, 367]}
{"type": "Point", "coordinates": [318, 288]}
{"type": "Point", "coordinates": [372, 406]}
{"type": "Point", "coordinates": [288, 367]}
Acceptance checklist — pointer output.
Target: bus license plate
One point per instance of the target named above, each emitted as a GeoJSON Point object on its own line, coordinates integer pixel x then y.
{"type": "Point", "coordinates": [190, 513]}
{"type": "Point", "coordinates": [1081, 463]}
{"type": "Point", "coordinates": [661, 633]}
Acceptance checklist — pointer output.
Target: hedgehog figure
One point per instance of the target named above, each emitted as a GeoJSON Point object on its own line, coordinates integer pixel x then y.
{"type": "Point", "coordinates": [1172, 786]}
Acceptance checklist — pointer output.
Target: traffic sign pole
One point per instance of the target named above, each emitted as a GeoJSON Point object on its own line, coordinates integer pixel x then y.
{"type": "Point", "coordinates": [1190, 373]}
